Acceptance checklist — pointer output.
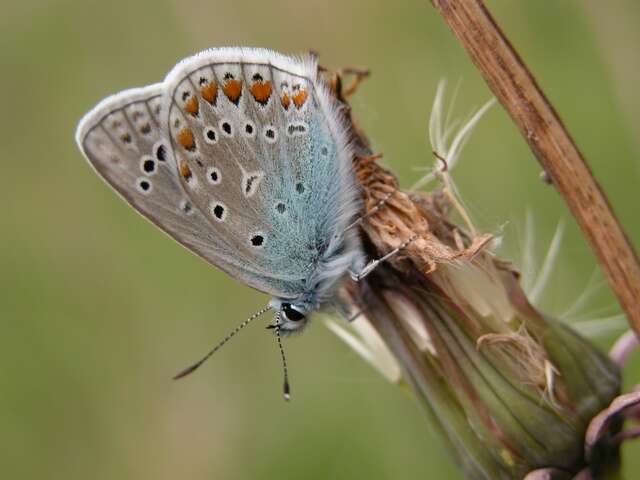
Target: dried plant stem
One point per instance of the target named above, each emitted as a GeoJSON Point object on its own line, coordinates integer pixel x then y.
{"type": "Point", "coordinates": [516, 89]}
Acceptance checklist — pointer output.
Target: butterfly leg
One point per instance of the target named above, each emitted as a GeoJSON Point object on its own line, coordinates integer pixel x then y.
{"type": "Point", "coordinates": [373, 211]}
{"type": "Point", "coordinates": [359, 74]}
{"type": "Point", "coordinates": [372, 265]}
{"type": "Point", "coordinates": [335, 79]}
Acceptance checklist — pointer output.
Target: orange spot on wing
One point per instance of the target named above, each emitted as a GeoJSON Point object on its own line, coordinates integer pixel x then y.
{"type": "Point", "coordinates": [232, 89]}
{"type": "Point", "coordinates": [300, 97]}
{"type": "Point", "coordinates": [210, 91]}
{"type": "Point", "coordinates": [192, 106]}
{"type": "Point", "coordinates": [285, 101]}
{"type": "Point", "coordinates": [185, 138]}
{"type": "Point", "coordinates": [185, 171]}
{"type": "Point", "coordinates": [261, 91]}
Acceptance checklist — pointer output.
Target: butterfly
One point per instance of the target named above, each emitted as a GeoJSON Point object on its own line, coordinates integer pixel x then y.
{"type": "Point", "coordinates": [241, 156]}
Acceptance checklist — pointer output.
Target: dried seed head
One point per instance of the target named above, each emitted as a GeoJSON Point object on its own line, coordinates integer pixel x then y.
{"type": "Point", "coordinates": [511, 389]}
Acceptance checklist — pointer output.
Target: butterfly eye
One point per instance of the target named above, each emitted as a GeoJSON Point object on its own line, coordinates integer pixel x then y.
{"type": "Point", "coordinates": [291, 313]}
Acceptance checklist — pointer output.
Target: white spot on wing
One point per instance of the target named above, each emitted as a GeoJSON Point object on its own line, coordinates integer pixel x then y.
{"type": "Point", "coordinates": [218, 210]}
{"type": "Point", "coordinates": [160, 151]}
{"type": "Point", "coordinates": [210, 135]}
{"type": "Point", "coordinates": [270, 133]}
{"type": "Point", "coordinates": [297, 128]}
{"type": "Point", "coordinates": [213, 176]}
{"type": "Point", "coordinates": [257, 239]}
{"type": "Point", "coordinates": [250, 182]}
{"type": "Point", "coordinates": [226, 127]}
{"type": "Point", "coordinates": [148, 165]}
{"type": "Point", "coordinates": [249, 130]}
{"type": "Point", "coordinates": [186, 207]}
{"type": "Point", "coordinates": [144, 185]}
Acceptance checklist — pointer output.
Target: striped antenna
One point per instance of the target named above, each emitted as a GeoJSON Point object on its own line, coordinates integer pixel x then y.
{"type": "Point", "coordinates": [195, 366]}
{"type": "Point", "coordinates": [286, 387]}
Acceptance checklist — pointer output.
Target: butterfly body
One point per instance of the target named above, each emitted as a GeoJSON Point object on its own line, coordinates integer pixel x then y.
{"type": "Point", "coordinates": [239, 155]}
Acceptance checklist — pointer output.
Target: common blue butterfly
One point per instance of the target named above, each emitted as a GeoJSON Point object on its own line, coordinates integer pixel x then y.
{"type": "Point", "coordinates": [240, 155]}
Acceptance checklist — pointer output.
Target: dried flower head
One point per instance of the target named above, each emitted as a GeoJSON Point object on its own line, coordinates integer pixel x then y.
{"type": "Point", "coordinates": [510, 389]}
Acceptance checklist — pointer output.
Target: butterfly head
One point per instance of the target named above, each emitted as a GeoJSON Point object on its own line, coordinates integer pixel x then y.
{"type": "Point", "coordinates": [290, 318]}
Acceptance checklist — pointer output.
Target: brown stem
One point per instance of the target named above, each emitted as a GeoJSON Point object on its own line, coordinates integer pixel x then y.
{"type": "Point", "coordinates": [514, 86]}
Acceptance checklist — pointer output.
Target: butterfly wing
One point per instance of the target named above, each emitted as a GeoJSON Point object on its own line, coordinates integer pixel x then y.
{"type": "Point", "coordinates": [123, 140]}
{"type": "Point", "coordinates": [260, 150]}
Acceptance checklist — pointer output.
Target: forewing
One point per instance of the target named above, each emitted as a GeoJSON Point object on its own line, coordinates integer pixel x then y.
{"type": "Point", "coordinates": [260, 151]}
{"type": "Point", "coordinates": [123, 140]}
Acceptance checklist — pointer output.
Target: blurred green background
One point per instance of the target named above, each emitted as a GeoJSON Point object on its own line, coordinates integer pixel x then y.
{"type": "Point", "coordinates": [98, 309]}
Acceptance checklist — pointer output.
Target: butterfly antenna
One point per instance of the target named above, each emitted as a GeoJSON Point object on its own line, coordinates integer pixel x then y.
{"type": "Point", "coordinates": [286, 387]}
{"type": "Point", "coordinates": [195, 366]}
